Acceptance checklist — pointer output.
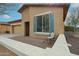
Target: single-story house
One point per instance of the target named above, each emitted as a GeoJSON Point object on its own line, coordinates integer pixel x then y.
{"type": "Point", "coordinates": [15, 27]}
{"type": "Point", "coordinates": [4, 27]}
{"type": "Point", "coordinates": [39, 20]}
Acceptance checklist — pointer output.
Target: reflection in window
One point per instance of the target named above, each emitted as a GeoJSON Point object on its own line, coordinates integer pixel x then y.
{"type": "Point", "coordinates": [43, 23]}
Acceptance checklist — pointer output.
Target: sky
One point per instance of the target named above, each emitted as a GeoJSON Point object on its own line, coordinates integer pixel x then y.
{"type": "Point", "coordinates": [73, 5]}
{"type": "Point", "coordinates": [12, 14]}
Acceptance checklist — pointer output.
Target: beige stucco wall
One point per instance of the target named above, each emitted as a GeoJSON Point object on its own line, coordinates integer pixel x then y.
{"type": "Point", "coordinates": [28, 15]}
{"type": "Point", "coordinates": [16, 29]}
{"type": "Point", "coordinates": [25, 18]}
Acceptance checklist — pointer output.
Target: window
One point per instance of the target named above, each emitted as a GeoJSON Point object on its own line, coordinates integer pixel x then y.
{"type": "Point", "coordinates": [39, 23]}
{"type": "Point", "coordinates": [46, 23]}
{"type": "Point", "coordinates": [43, 23]}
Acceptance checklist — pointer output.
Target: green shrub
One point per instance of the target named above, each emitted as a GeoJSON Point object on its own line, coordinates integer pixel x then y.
{"type": "Point", "coordinates": [69, 28]}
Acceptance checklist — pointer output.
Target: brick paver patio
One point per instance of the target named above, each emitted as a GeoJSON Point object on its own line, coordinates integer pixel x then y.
{"type": "Point", "coordinates": [74, 41]}
{"type": "Point", "coordinates": [6, 52]}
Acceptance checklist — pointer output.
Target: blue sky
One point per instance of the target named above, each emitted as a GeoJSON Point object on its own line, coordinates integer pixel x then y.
{"type": "Point", "coordinates": [73, 5]}
{"type": "Point", "coordinates": [12, 14]}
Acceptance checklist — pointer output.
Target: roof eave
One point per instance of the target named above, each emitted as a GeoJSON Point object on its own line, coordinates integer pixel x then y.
{"type": "Point", "coordinates": [55, 5]}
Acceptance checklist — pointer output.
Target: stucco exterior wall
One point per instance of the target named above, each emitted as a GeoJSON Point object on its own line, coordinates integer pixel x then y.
{"type": "Point", "coordinates": [29, 13]}
{"type": "Point", "coordinates": [16, 28]}
{"type": "Point", "coordinates": [25, 18]}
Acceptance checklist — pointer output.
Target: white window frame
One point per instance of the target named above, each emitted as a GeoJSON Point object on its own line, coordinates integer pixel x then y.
{"type": "Point", "coordinates": [43, 13]}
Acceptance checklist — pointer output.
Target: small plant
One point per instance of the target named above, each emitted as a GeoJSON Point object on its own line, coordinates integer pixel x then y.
{"type": "Point", "coordinates": [69, 28]}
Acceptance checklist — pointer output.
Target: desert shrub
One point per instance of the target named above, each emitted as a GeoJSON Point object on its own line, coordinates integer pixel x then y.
{"type": "Point", "coordinates": [69, 28]}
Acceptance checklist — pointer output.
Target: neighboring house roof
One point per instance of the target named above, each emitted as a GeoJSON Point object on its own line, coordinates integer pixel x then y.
{"type": "Point", "coordinates": [65, 6]}
{"type": "Point", "coordinates": [8, 23]}
{"type": "Point", "coordinates": [15, 21]}
{"type": "Point", "coordinates": [4, 23]}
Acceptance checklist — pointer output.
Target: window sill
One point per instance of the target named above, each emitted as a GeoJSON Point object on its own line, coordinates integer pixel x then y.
{"type": "Point", "coordinates": [41, 33]}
